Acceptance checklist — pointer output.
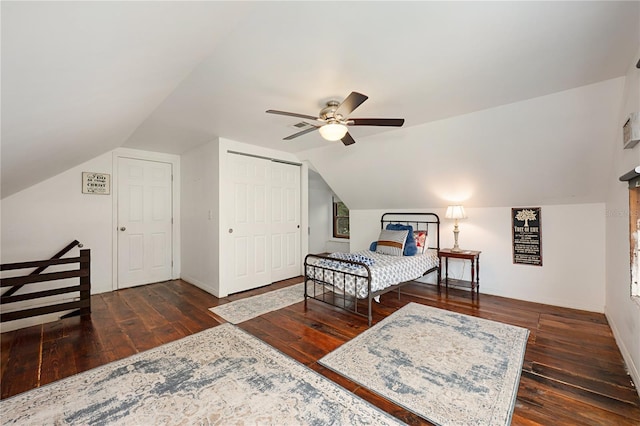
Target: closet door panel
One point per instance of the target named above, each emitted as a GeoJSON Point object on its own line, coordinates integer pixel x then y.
{"type": "Point", "coordinates": [285, 225]}
{"type": "Point", "coordinates": [264, 223]}
{"type": "Point", "coordinates": [249, 227]}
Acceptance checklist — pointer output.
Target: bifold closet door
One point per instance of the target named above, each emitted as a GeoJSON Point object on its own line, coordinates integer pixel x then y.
{"type": "Point", "coordinates": [263, 235]}
{"type": "Point", "coordinates": [249, 254]}
{"type": "Point", "coordinates": [285, 221]}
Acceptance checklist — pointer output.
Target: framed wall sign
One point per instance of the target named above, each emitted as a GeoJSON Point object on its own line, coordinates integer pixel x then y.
{"type": "Point", "coordinates": [526, 236]}
{"type": "Point", "coordinates": [96, 183]}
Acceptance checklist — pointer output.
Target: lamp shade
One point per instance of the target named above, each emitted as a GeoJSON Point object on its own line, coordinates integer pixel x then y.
{"type": "Point", "coordinates": [333, 131]}
{"type": "Point", "coordinates": [455, 212]}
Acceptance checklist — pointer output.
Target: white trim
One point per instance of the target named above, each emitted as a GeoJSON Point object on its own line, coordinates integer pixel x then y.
{"type": "Point", "coordinates": [201, 285]}
{"type": "Point", "coordinates": [626, 355]}
{"type": "Point", "coordinates": [304, 214]}
{"type": "Point", "coordinates": [172, 159]}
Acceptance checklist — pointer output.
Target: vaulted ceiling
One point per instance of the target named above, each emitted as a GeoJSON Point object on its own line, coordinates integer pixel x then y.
{"type": "Point", "coordinates": [82, 78]}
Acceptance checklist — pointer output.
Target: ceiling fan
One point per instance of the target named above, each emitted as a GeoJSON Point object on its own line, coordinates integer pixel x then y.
{"type": "Point", "coordinates": [333, 119]}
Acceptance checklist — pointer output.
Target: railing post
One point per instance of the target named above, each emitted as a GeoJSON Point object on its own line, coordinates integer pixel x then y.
{"type": "Point", "coordinates": [85, 281]}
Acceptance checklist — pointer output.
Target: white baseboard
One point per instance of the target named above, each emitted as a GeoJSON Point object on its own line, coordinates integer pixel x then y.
{"type": "Point", "coordinates": [626, 355]}
{"type": "Point", "coordinates": [199, 284]}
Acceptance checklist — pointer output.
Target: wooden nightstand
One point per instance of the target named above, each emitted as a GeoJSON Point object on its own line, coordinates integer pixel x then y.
{"type": "Point", "coordinates": [470, 255]}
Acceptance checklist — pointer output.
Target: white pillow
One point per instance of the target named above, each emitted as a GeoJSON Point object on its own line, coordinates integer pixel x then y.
{"type": "Point", "coordinates": [391, 242]}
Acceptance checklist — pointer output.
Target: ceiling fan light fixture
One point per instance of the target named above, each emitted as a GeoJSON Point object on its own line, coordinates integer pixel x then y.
{"type": "Point", "coordinates": [333, 131]}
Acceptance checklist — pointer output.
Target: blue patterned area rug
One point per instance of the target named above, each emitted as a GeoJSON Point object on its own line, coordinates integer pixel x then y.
{"type": "Point", "coordinates": [448, 368]}
{"type": "Point", "coordinates": [244, 309]}
{"type": "Point", "coordinates": [222, 375]}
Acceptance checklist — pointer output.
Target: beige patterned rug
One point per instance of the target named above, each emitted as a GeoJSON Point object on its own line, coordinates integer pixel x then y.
{"type": "Point", "coordinates": [448, 368]}
{"type": "Point", "coordinates": [222, 376]}
{"type": "Point", "coordinates": [244, 309]}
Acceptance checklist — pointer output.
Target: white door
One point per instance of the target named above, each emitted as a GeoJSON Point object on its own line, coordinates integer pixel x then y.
{"type": "Point", "coordinates": [249, 254]}
{"type": "Point", "coordinates": [144, 222]}
{"type": "Point", "coordinates": [285, 221]}
{"type": "Point", "coordinates": [262, 241]}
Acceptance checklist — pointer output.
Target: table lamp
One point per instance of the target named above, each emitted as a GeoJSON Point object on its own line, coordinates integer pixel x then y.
{"type": "Point", "coordinates": [455, 212]}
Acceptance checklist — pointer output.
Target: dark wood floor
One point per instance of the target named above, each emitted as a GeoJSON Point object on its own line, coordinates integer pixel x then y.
{"type": "Point", "coordinates": [573, 371]}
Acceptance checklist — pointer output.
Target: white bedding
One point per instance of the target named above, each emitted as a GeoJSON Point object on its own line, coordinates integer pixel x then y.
{"type": "Point", "coordinates": [386, 270]}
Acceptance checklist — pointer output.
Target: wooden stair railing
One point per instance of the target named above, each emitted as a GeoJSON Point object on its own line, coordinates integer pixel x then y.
{"type": "Point", "coordinates": [58, 255]}
{"type": "Point", "coordinates": [83, 305]}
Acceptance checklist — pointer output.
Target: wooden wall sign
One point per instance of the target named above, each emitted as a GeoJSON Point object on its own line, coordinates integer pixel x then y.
{"type": "Point", "coordinates": [526, 236]}
{"type": "Point", "coordinates": [96, 183]}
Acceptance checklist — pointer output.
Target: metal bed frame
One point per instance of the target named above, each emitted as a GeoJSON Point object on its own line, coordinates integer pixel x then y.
{"type": "Point", "coordinates": [429, 222]}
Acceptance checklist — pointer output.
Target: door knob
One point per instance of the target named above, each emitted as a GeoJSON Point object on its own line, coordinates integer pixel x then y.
{"type": "Point", "coordinates": [123, 228]}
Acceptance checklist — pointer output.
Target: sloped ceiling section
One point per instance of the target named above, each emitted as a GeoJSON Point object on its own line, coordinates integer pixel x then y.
{"type": "Point", "coordinates": [423, 61]}
{"type": "Point", "coordinates": [555, 149]}
{"type": "Point", "coordinates": [81, 78]}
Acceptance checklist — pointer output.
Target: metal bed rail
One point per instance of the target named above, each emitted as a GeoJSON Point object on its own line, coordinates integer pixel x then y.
{"type": "Point", "coordinates": [419, 221]}
{"type": "Point", "coordinates": [324, 278]}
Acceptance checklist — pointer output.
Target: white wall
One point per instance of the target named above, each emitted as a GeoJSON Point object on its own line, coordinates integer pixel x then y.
{"type": "Point", "coordinates": [320, 205]}
{"type": "Point", "coordinates": [200, 216]}
{"type": "Point", "coordinates": [39, 221]}
{"type": "Point", "coordinates": [320, 218]}
{"type": "Point", "coordinates": [622, 312]}
{"type": "Point", "coordinates": [572, 274]}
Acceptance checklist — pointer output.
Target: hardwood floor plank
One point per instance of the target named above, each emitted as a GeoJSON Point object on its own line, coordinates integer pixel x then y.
{"type": "Point", "coordinates": [579, 363]}
{"type": "Point", "coordinates": [586, 396]}
{"type": "Point", "coordinates": [573, 371]}
{"type": "Point", "coordinates": [273, 336]}
{"type": "Point", "coordinates": [323, 322]}
{"type": "Point", "coordinates": [555, 406]}
{"type": "Point", "coordinates": [6, 341]}
{"type": "Point", "coordinates": [188, 301]}
{"type": "Point", "coordinates": [626, 394]}
{"type": "Point", "coordinates": [141, 337]}
{"type": "Point", "coordinates": [117, 305]}
{"type": "Point", "coordinates": [171, 313]}
{"type": "Point", "coordinates": [59, 356]}
{"type": "Point", "coordinates": [23, 362]}
{"type": "Point", "coordinates": [144, 310]}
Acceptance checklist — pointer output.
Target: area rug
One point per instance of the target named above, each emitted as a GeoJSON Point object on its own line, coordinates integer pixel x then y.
{"type": "Point", "coordinates": [244, 309]}
{"type": "Point", "coordinates": [448, 368]}
{"type": "Point", "coordinates": [222, 375]}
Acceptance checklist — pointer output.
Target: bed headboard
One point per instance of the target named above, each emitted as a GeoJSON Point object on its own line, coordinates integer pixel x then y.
{"type": "Point", "coordinates": [429, 222]}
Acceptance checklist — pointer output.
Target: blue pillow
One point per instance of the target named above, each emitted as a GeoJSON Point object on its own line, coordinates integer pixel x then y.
{"type": "Point", "coordinates": [410, 247]}
{"type": "Point", "coordinates": [373, 246]}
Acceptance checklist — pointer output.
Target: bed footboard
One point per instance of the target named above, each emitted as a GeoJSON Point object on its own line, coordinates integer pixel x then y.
{"type": "Point", "coordinates": [326, 278]}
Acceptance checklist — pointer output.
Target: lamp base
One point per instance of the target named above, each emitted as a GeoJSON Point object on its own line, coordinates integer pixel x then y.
{"type": "Point", "coordinates": [456, 247]}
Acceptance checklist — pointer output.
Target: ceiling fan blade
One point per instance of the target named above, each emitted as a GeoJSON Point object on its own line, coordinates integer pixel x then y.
{"type": "Point", "coordinates": [304, 132]}
{"type": "Point", "coordinates": [291, 114]}
{"type": "Point", "coordinates": [347, 139]}
{"type": "Point", "coordinates": [393, 122]}
{"type": "Point", "coordinates": [353, 101]}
